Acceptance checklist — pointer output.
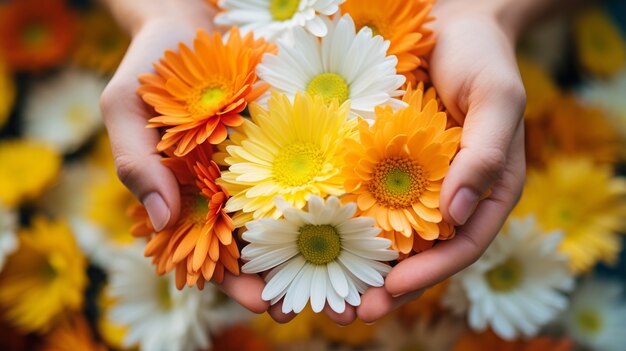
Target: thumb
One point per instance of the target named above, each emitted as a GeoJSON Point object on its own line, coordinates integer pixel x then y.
{"type": "Point", "coordinates": [488, 130]}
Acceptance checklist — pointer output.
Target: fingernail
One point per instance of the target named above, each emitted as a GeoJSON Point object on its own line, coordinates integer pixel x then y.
{"type": "Point", "coordinates": [463, 205]}
{"type": "Point", "coordinates": [158, 211]}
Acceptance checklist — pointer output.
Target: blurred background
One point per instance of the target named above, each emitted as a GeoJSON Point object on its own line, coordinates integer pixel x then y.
{"type": "Point", "coordinates": [73, 278]}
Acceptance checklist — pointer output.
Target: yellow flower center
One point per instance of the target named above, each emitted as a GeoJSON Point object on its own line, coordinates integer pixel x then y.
{"type": "Point", "coordinates": [505, 277]}
{"type": "Point", "coordinates": [77, 116]}
{"type": "Point", "coordinates": [35, 34]}
{"type": "Point", "coordinates": [589, 321]}
{"type": "Point", "coordinates": [298, 164]}
{"type": "Point", "coordinates": [330, 86]}
{"type": "Point", "coordinates": [283, 10]}
{"type": "Point", "coordinates": [208, 100]}
{"type": "Point", "coordinates": [319, 244]}
{"type": "Point", "coordinates": [163, 294]}
{"type": "Point", "coordinates": [398, 182]}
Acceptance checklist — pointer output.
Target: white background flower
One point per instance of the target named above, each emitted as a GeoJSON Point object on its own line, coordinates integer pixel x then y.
{"type": "Point", "coordinates": [272, 19]}
{"type": "Point", "coordinates": [608, 95]}
{"type": "Point", "coordinates": [64, 111]}
{"type": "Point", "coordinates": [343, 65]}
{"type": "Point", "coordinates": [517, 286]}
{"type": "Point", "coordinates": [324, 254]}
{"type": "Point", "coordinates": [8, 236]}
{"type": "Point", "coordinates": [156, 314]}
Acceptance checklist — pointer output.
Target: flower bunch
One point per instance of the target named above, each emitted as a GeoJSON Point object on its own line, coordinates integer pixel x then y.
{"type": "Point", "coordinates": [307, 128]}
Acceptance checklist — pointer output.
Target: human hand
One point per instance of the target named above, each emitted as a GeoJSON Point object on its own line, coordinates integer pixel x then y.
{"type": "Point", "coordinates": [155, 27]}
{"type": "Point", "coordinates": [475, 73]}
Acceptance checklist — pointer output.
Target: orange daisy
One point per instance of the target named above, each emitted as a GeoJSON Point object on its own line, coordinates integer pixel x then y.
{"type": "Point", "coordinates": [36, 34]}
{"type": "Point", "coordinates": [200, 93]}
{"type": "Point", "coordinates": [201, 244]}
{"type": "Point", "coordinates": [402, 23]}
{"type": "Point", "coordinates": [395, 172]}
{"type": "Point", "coordinates": [490, 341]}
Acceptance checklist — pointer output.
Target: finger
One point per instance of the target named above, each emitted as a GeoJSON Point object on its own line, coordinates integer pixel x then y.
{"type": "Point", "coordinates": [378, 302]}
{"type": "Point", "coordinates": [246, 290]}
{"type": "Point", "coordinates": [449, 257]}
{"type": "Point", "coordinates": [346, 317]}
{"type": "Point", "coordinates": [276, 312]}
{"type": "Point", "coordinates": [134, 147]}
{"type": "Point", "coordinates": [488, 130]}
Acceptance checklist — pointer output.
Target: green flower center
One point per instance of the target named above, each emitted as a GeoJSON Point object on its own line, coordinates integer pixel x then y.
{"type": "Point", "coordinates": [35, 34]}
{"type": "Point", "coordinates": [589, 321]}
{"type": "Point", "coordinates": [164, 297]}
{"type": "Point", "coordinates": [329, 86]}
{"type": "Point", "coordinates": [297, 164]}
{"type": "Point", "coordinates": [505, 277]}
{"type": "Point", "coordinates": [319, 244]}
{"type": "Point", "coordinates": [196, 207]}
{"type": "Point", "coordinates": [283, 10]}
{"type": "Point", "coordinates": [398, 182]}
{"type": "Point", "coordinates": [207, 100]}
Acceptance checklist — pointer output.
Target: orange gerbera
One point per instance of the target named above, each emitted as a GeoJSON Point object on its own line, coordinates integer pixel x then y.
{"type": "Point", "coordinates": [200, 93]}
{"type": "Point", "coordinates": [571, 129]}
{"type": "Point", "coordinates": [36, 34]}
{"type": "Point", "coordinates": [402, 23]}
{"type": "Point", "coordinates": [395, 172]}
{"type": "Point", "coordinates": [201, 243]}
{"type": "Point", "coordinates": [490, 341]}
{"type": "Point", "coordinates": [72, 334]}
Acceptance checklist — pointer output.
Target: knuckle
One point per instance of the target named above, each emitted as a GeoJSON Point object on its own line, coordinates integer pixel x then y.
{"type": "Point", "coordinates": [492, 162]}
{"type": "Point", "coordinates": [126, 168]}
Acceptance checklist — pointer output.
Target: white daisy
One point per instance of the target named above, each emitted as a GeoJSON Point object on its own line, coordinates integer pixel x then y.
{"type": "Point", "coordinates": [158, 316]}
{"type": "Point", "coordinates": [609, 95]}
{"type": "Point", "coordinates": [323, 253]}
{"type": "Point", "coordinates": [8, 237]}
{"type": "Point", "coordinates": [517, 286]}
{"type": "Point", "coordinates": [597, 315]}
{"type": "Point", "coordinates": [272, 19]}
{"type": "Point", "coordinates": [423, 335]}
{"type": "Point", "coordinates": [344, 65]}
{"type": "Point", "coordinates": [64, 111]}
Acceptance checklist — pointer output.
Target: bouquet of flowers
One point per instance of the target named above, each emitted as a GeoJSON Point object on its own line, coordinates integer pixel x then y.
{"type": "Point", "coordinates": [307, 144]}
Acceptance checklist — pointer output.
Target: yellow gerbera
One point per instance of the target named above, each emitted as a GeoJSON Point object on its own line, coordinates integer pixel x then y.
{"type": "Point", "coordinates": [7, 93]}
{"type": "Point", "coordinates": [44, 279]}
{"type": "Point", "coordinates": [541, 91]}
{"type": "Point", "coordinates": [27, 169]}
{"type": "Point", "coordinates": [395, 172]}
{"type": "Point", "coordinates": [102, 44]}
{"type": "Point", "coordinates": [290, 150]}
{"type": "Point", "coordinates": [402, 23]}
{"type": "Point", "coordinates": [585, 201]}
{"type": "Point", "coordinates": [601, 49]}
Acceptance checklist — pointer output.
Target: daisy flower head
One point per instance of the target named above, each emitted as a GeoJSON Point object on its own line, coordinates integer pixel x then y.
{"type": "Point", "coordinates": [273, 19]}
{"type": "Point", "coordinates": [200, 92]}
{"type": "Point", "coordinates": [28, 168]}
{"type": "Point", "coordinates": [600, 45]}
{"type": "Point", "coordinates": [8, 231]}
{"type": "Point", "coordinates": [156, 314]}
{"type": "Point", "coordinates": [517, 286]}
{"type": "Point", "coordinates": [395, 172]}
{"type": "Point", "coordinates": [64, 111]}
{"type": "Point", "coordinates": [344, 65]}
{"type": "Point", "coordinates": [322, 254]}
{"type": "Point", "coordinates": [402, 23]}
{"type": "Point", "coordinates": [291, 150]}
{"type": "Point", "coordinates": [72, 334]}
{"type": "Point", "coordinates": [35, 35]}
{"type": "Point", "coordinates": [200, 244]}
{"type": "Point", "coordinates": [596, 316]}
{"type": "Point", "coordinates": [608, 95]}
{"type": "Point", "coordinates": [44, 279]}
{"type": "Point", "coordinates": [586, 201]}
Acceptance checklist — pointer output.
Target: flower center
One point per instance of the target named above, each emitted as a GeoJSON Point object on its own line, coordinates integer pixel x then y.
{"type": "Point", "coordinates": [54, 265]}
{"type": "Point", "coordinates": [297, 164]}
{"type": "Point", "coordinates": [35, 34]}
{"type": "Point", "coordinates": [207, 100]}
{"type": "Point", "coordinates": [163, 294]}
{"type": "Point", "coordinates": [330, 86]}
{"type": "Point", "coordinates": [196, 207]}
{"type": "Point", "coordinates": [589, 321]}
{"type": "Point", "coordinates": [505, 277]}
{"type": "Point", "coordinates": [398, 182]}
{"type": "Point", "coordinates": [283, 10]}
{"type": "Point", "coordinates": [319, 244]}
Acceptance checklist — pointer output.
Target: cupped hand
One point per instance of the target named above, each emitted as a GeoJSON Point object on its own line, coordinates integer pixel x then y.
{"type": "Point", "coordinates": [475, 73]}
{"type": "Point", "coordinates": [125, 115]}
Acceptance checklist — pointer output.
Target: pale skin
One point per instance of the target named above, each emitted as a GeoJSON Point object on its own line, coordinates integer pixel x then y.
{"type": "Point", "coordinates": [476, 76]}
